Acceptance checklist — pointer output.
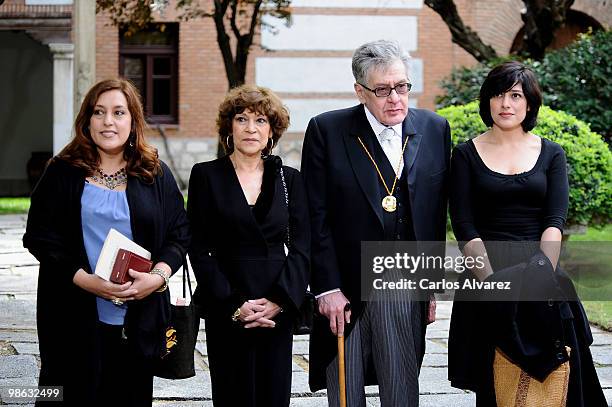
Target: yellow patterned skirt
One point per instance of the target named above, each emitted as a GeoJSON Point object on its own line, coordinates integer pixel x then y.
{"type": "Point", "coordinates": [515, 388]}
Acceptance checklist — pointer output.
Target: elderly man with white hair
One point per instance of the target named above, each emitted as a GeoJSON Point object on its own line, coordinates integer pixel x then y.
{"type": "Point", "coordinates": [377, 171]}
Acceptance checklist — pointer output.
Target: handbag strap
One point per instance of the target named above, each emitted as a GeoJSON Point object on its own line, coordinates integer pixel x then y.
{"type": "Point", "coordinates": [186, 277]}
{"type": "Point", "coordinates": [282, 174]}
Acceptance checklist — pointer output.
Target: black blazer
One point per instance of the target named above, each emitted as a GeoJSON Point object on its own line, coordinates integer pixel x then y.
{"type": "Point", "coordinates": [66, 314]}
{"type": "Point", "coordinates": [344, 199]}
{"type": "Point", "coordinates": [236, 258]}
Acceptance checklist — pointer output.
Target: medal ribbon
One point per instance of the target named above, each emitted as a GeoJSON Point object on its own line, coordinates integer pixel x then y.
{"type": "Point", "coordinates": [389, 191]}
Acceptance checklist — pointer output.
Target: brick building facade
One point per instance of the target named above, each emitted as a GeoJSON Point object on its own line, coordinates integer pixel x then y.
{"type": "Point", "coordinates": [308, 63]}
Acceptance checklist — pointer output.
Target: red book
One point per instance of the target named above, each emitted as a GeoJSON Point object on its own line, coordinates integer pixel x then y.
{"type": "Point", "coordinates": [126, 260]}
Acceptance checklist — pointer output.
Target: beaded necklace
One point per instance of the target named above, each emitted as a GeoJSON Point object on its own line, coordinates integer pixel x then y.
{"type": "Point", "coordinates": [111, 181]}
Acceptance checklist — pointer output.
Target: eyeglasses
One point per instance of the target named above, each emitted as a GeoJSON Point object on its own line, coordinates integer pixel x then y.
{"type": "Point", "coordinates": [384, 91]}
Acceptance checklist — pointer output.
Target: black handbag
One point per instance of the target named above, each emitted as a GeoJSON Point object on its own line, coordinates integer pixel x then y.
{"type": "Point", "coordinates": [177, 358]}
{"type": "Point", "coordinates": [302, 324]}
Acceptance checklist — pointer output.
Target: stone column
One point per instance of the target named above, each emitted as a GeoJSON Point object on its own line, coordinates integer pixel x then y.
{"type": "Point", "coordinates": [63, 97]}
{"type": "Point", "coordinates": [84, 29]}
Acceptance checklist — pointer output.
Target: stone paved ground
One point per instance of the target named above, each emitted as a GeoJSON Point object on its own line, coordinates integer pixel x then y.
{"type": "Point", "coordinates": [19, 347]}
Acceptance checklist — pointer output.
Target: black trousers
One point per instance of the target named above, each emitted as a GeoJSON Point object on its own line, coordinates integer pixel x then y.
{"type": "Point", "coordinates": [124, 379]}
{"type": "Point", "coordinates": [250, 367]}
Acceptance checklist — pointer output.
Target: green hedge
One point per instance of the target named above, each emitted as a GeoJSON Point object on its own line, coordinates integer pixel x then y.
{"type": "Point", "coordinates": [576, 79]}
{"type": "Point", "coordinates": [589, 159]}
{"type": "Point", "coordinates": [14, 205]}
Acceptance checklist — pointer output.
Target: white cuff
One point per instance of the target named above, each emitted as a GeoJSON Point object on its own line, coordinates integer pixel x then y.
{"type": "Point", "coordinates": [336, 290]}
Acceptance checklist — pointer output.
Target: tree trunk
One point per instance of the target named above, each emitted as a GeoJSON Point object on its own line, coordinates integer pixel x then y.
{"type": "Point", "coordinates": [542, 18]}
{"type": "Point", "coordinates": [223, 40]}
{"type": "Point", "coordinates": [235, 66]}
{"type": "Point", "coordinates": [462, 35]}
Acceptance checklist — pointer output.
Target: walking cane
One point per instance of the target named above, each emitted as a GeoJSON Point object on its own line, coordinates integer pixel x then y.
{"type": "Point", "coordinates": [341, 374]}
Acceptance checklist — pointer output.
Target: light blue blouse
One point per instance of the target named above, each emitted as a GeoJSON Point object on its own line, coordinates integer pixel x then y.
{"type": "Point", "coordinates": [101, 210]}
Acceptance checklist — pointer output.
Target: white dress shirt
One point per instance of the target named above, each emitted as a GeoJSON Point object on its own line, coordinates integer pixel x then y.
{"type": "Point", "coordinates": [390, 143]}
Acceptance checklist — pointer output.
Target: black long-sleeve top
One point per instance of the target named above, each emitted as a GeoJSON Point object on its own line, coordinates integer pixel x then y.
{"type": "Point", "coordinates": [499, 207]}
{"type": "Point", "coordinates": [237, 252]}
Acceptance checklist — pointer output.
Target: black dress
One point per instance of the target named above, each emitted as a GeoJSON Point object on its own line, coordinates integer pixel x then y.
{"type": "Point", "coordinates": [237, 254]}
{"type": "Point", "coordinates": [515, 208]}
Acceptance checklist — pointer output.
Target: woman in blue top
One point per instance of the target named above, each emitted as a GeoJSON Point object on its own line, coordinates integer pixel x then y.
{"type": "Point", "coordinates": [98, 339]}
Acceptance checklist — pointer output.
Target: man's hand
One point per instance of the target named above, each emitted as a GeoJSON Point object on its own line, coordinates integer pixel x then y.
{"type": "Point", "coordinates": [334, 307]}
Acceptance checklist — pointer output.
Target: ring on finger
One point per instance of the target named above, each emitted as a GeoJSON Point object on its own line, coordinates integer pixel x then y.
{"type": "Point", "coordinates": [117, 302]}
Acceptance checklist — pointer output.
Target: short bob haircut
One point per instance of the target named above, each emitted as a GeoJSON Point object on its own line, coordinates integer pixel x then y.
{"type": "Point", "coordinates": [500, 80]}
{"type": "Point", "coordinates": [258, 100]}
{"type": "Point", "coordinates": [142, 159]}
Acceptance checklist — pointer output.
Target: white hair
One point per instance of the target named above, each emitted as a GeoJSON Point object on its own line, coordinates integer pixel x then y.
{"type": "Point", "coordinates": [377, 54]}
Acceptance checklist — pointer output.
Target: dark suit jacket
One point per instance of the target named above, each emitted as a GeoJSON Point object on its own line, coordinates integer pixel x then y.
{"type": "Point", "coordinates": [236, 258]}
{"type": "Point", "coordinates": [66, 314]}
{"type": "Point", "coordinates": [345, 208]}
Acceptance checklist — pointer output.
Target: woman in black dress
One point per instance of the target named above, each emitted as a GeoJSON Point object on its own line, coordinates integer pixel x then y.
{"type": "Point", "coordinates": [249, 287]}
{"type": "Point", "coordinates": [511, 185]}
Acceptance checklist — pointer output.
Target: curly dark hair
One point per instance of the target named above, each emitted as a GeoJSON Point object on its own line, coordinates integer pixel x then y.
{"type": "Point", "coordinates": [258, 100]}
{"type": "Point", "coordinates": [142, 158]}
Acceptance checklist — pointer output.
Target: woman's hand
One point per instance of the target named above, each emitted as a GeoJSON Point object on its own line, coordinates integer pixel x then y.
{"type": "Point", "coordinates": [252, 316]}
{"type": "Point", "coordinates": [259, 313]}
{"type": "Point", "coordinates": [102, 288]}
{"type": "Point", "coordinates": [431, 310]}
{"type": "Point", "coordinates": [144, 283]}
{"type": "Point", "coordinates": [550, 244]}
{"type": "Point", "coordinates": [475, 248]}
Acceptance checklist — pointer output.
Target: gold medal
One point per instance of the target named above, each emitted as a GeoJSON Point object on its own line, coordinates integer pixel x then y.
{"type": "Point", "coordinates": [389, 203]}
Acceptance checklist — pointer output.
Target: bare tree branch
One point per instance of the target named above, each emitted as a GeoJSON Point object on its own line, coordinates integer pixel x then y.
{"type": "Point", "coordinates": [254, 20]}
{"type": "Point", "coordinates": [232, 19]}
{"type": "Point", "coordinates": [224, 40]}
{"type": "Point", "coordinates": [246, 40]}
